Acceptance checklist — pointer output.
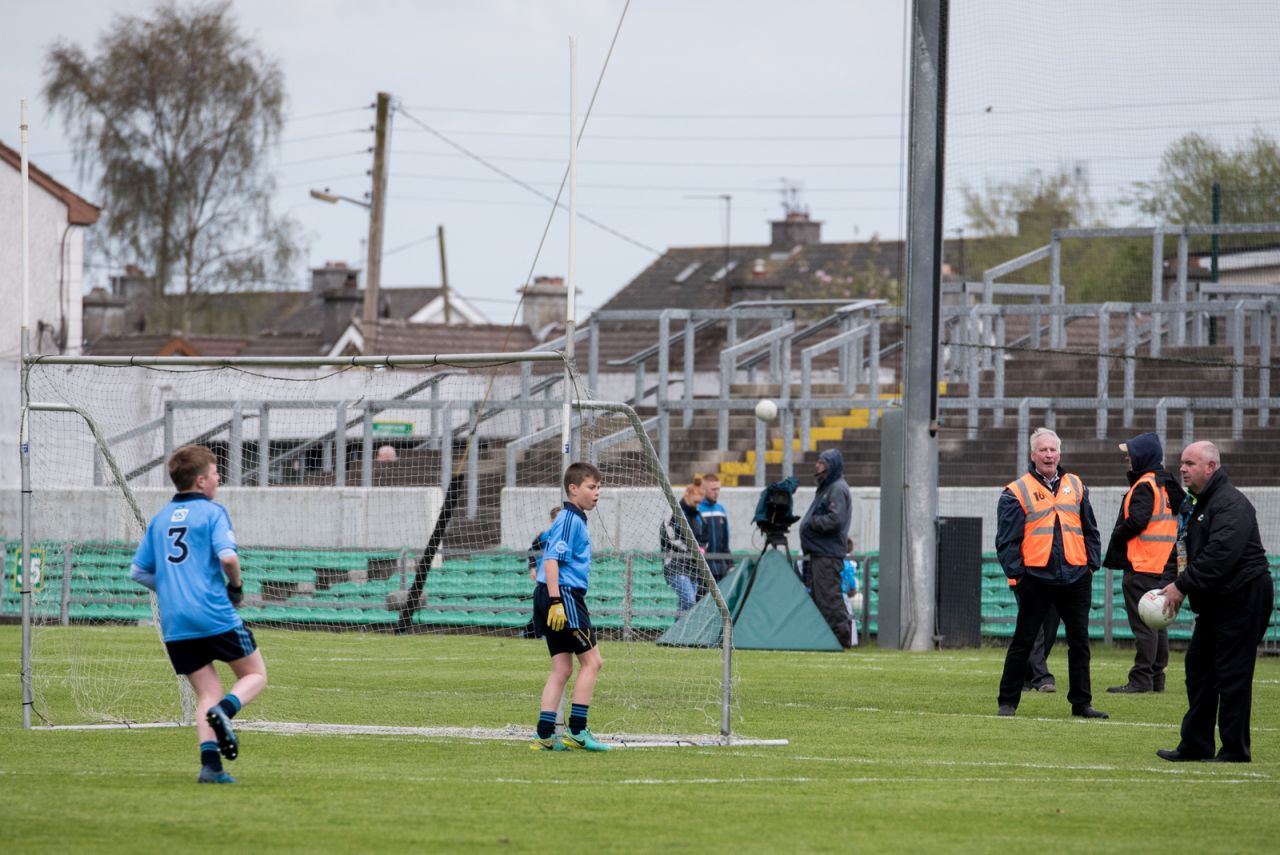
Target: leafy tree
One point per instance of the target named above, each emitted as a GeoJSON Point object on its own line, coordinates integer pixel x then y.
{"type": "Point", "coordinates": [1030, 206]}
{"type": "Point", "coordinates": [1182, 191]}
{"type": "Point", "coordinates": [174, 116]}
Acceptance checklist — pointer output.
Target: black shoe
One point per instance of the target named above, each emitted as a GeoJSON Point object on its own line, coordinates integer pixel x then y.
{"type": "Point", "coordinates": [1173, 755]}
{"type": "Point", "coordinates": [1157, 683]}
{"type": "Point", "coordinates": [1088, 712]}
{"type": "Point", "coordinates": [1128, 689]}
{"type": "Point", "coordinates": [1048, 687]}
{"type": "Point", "coordinates": [1224, 758]}
{"type": "Point", "coordinates": [1006, 710]}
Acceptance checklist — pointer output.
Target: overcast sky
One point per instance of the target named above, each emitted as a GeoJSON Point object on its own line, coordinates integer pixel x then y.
{"type": "Point", "coordinates": [700, 99]}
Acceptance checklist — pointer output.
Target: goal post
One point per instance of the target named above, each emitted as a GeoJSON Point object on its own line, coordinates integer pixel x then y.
{"type": "Point", "coordinates": [385, 508]}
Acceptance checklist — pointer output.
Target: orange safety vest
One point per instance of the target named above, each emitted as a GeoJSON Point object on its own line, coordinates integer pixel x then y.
{"type": "Point", "coordinates": [1043, 509]}
{"type": "Point", "coordinates": [1149, 551]}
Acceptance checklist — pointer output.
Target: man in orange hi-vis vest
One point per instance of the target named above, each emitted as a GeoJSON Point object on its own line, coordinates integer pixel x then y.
{"type": "Point", "coordinates": [1047, 539]}
{"type": "Point", "coordinates": [1142, 545]}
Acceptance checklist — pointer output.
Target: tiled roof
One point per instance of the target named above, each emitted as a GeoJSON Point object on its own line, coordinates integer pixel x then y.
{"type": "Point", "coordinates": [308, 317]}
{"type": "Point", "coordinates": [402, 337]}
{"type": "Point", "coordinates": [198, 345]}
{"type": "Point", "coordinates": [80, 212]}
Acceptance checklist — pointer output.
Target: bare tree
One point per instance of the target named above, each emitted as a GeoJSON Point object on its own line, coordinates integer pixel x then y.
{"type": "Point", "coordinates": [173, 116]}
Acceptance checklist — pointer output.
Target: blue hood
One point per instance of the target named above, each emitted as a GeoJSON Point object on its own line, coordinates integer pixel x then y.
{"type": "Point", "coordinates": [1145, 453]}
{"type": "Point", "coordinates": [835, 465]}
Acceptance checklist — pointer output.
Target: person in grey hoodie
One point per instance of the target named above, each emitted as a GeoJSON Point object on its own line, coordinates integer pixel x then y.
{"type": "Point", "coordinates": [824, 534]}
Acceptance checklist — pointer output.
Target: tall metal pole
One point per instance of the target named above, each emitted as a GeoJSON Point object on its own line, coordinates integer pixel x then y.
{"type": "Point", "coordinates": [377, 208]}
{"type": "Point", "coordinates": [566, 432]}
{"type": "Point", "coordinates": [919, 508]}
{"type": "Point", "coordinates": [24, 557]}
{"type": "Point", "coordinates": [444, 274]}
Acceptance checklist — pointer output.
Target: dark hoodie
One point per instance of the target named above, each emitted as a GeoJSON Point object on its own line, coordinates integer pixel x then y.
{"type": "Point", "coordinates": [1145, 455]}
{"type": "Point", "coordinates": [824, 530]}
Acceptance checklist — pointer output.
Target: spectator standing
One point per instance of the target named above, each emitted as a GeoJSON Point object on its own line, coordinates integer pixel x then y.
{"type": "Point", "coordinates": [824, 536]}
{"type": "Point", "coordinates": [715, 525]}
{"type": "Point", "coordinates": [679, 565]}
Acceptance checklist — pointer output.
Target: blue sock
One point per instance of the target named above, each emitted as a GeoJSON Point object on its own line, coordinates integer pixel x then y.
{"type": "Point", "coordinates": [230, 705]}
{"type": "Point", "coordinates": [578, 718]}
{"type": "Point", "coordinates": [209, 756]}
{"type": "Point", "coordinates": [546, 724]}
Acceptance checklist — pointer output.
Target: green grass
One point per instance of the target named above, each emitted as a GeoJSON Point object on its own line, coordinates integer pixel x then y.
{"type": "Point", "coordinates": [889, 752]}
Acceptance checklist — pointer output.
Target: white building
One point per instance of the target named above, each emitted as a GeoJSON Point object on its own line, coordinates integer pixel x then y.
{"type": "Point", "coordinates": [58, 220]}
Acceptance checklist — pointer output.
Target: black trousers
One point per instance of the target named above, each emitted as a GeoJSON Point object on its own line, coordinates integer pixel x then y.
{"type": "Point", "coordinates": [1038, 672]}
{"type": "Point", "coordinates": [825, 573]}
{"type": "Point", "coordinates": [1220, 661]}
{"type": "Point", "coordinates": [1035, 598]}
{"type": "Point", "coordinates": [1151, 647]}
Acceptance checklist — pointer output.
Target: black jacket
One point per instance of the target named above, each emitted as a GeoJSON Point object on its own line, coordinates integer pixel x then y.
{"type": "Point", "coordinates": [1224, 545]}
{"type": "Point", "coordinates": [1011, 523]}
{"type": "Point", "coordinates": [677, 560]}
{"type": "Point", "coordinates": [1141, 506]}
{"type": "Point", "coordinates": [824, 530]}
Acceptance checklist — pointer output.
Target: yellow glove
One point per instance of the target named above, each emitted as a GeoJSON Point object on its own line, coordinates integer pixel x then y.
{"type": "Point", "coordinates": [555, 615]}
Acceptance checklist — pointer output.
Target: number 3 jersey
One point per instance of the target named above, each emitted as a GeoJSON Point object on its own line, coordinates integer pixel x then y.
{"type": "Point", "coordinates": [179, 559]}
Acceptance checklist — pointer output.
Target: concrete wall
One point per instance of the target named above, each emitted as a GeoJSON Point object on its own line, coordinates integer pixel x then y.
{"type": "Point", "coordinates": [630, 516]}
{"type": "Point", "coordinates": [385, 517]}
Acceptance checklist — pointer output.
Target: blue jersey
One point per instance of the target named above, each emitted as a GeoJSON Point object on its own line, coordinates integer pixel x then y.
{"type": "Point", "coordinates": [569, 543]}
{"type": "Point", "coordinates": [179, 560]}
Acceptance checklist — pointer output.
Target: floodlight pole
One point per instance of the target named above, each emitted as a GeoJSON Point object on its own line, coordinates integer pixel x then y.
{"type": "Point", "coordinates": [24, 557]}
{"type": "Point", "coordinates": [919, 475]}
{"type": "Point", "coordinates": [566, 428]}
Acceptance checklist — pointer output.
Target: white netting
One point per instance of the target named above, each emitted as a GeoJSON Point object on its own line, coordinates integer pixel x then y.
{"type": "Point", "coordinates": [335, 480]}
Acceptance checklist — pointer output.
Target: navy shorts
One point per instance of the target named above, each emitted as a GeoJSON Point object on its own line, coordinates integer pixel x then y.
{"type": "Point", "coordinates": [189, 655]}
{"type": "Point", "coordinates": [578, 636]}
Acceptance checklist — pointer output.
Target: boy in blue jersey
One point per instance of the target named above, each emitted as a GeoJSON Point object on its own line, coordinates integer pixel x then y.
{"type": "Point", "coordinates": [560, 614]}
{"type": "Point", "coordinates": [183, 557]}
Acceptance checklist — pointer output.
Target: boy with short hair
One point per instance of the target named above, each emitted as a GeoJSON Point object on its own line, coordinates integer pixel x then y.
{"type": "Point", "coordinates": [560, 614]}
{"type": "Point", "coordinates": [188, 547]}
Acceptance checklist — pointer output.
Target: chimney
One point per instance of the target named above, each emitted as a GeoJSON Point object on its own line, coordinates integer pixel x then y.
{"type": "Point", "coordinates": [796, 229]}
{"type": "Point", "coordinates": [104, 314]}
{"type": "Point", "coordinates": [135, 289]}
{"type": "Point", "coordinates": [333, 276]}
{"type": "Point", "coordinates": [545, 302]}
{"type": "Point", "coordinates": [340, 306]}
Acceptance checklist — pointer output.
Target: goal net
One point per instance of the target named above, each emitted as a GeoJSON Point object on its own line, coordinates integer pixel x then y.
{"type": "Point", "coordinates": [387, 521]}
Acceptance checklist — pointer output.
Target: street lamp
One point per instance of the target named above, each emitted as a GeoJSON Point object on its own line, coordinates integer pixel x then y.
{"type": "Point", "coordinates": [334, 198]}
{"type": "Point", "coordinates": [370, 309]}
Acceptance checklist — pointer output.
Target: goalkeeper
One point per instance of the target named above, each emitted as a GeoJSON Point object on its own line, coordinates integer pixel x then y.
{"type": "Point", "coordinates": [187, 549]}
{"type": "Point", "coordinates": [560, 614]}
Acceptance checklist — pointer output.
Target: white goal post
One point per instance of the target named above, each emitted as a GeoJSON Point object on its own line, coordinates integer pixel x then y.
{"type": "Point", "coordinates": [385, 506]}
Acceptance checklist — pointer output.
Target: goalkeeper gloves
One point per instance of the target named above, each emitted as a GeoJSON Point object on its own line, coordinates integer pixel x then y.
{"type": "Point", "coordinates": [235, 593]}
{"type": "Point", "coordinates": [555, 615]}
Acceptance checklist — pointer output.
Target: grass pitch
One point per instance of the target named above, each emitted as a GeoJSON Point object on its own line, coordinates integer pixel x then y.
{"type": "Point", "coordinates": [889, 752]}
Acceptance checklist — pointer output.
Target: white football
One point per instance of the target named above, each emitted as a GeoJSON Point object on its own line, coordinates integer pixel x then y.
{"type": "Point", "coordinates": [766, 410]}
{"type": "Point", "coordinates": [1151, 610]}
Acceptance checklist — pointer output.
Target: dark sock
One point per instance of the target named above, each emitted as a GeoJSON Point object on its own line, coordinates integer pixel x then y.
{"type": "Point", "coordinates": [209, 756]}
{"type": "Point", "coordinates": [577, 718]}
{"type": "Point", "coordinates": [230, 705]}
{"type": "Point", "coordinates": [546, 724]}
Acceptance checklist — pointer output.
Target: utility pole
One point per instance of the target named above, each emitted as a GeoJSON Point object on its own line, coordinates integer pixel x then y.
{"type": "Point", "coordinates": [444, 272]}
{"type": "Point", "coordinates": [377, 208]}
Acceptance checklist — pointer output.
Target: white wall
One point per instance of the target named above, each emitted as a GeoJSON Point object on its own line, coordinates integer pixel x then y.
{"type": "Point", "coordinates": [629, 514]}
{"type": "Point", "coordinates": [385, 517]}
{"type": "Point", "coordinates": [49, 301]}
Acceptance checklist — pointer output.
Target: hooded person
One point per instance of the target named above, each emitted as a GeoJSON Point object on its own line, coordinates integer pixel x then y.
{"type": "Point", "coordinates": [824, 535]}
{"type": "Point", "coordinates": [1142, 545]}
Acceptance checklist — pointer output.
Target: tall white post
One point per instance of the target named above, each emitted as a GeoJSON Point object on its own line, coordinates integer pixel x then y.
{"type": "Point", "coordinates": [566, 429]}
{"type": "Point", "coordinates": [24, 557]}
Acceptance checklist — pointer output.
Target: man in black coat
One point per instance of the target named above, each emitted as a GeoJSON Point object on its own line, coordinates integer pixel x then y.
{"type": "Point", "coordinates": [824, 538]}
{"type": "Point", "coordinates": [1228, 582]}
{"type": "Point", "coordinates": [1142, 546]}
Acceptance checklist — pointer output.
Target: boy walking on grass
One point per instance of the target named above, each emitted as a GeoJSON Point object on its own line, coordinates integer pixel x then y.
{"type": "Point", "coordinates": [188, 548]}
{"type": "Point", "coordinates": [560, 614]}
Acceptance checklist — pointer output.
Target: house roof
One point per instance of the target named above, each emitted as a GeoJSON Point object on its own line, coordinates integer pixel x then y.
{"type": "Point", "coordinates": [309, 315]}
{"type": "Point", "coordinates": [80, 212]}
{"type": "Point", "coordinates": [398, 337]}
{"type": "Point", "coordinates": [202, 345]}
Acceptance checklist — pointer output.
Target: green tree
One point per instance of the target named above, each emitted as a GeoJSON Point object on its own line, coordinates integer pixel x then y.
{"type": "Point", "coordinates": [173, 117]}
{"type": "Point", "coordinates": [1009, 218]}
{"type": "Point", "coordinates": [1182, 191]}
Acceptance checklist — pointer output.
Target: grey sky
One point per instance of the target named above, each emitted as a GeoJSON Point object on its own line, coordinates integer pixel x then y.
{"type": "Point", "coordinates": [700, 99]}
